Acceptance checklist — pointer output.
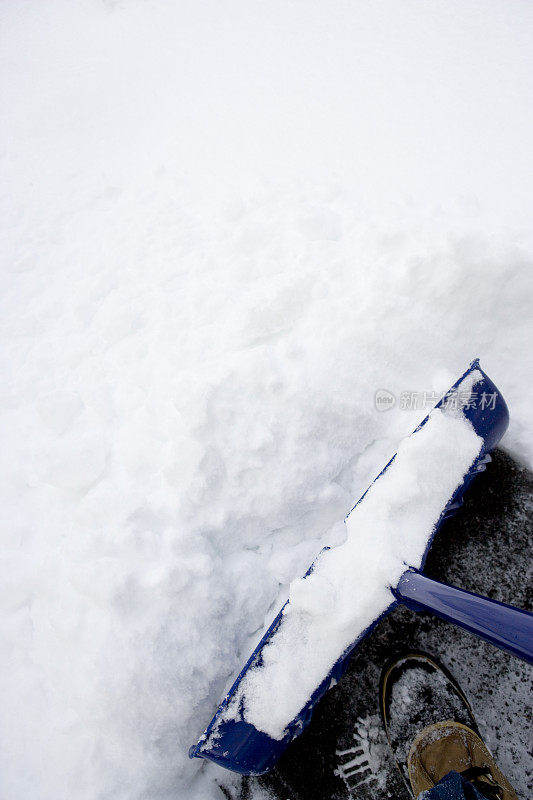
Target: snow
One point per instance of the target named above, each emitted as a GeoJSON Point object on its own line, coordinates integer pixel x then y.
{"type": "Point", "coordinates": [349, 586]}
{"type": "Point", "coordinates": [224, 227]}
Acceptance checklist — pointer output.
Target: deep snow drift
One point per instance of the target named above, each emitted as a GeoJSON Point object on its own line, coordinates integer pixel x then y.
{"type": "Point", "coordinates": [225, 226]}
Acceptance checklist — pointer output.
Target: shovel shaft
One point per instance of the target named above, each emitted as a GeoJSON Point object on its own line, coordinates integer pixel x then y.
{"type": "Point", "coordinates": [508, 628]}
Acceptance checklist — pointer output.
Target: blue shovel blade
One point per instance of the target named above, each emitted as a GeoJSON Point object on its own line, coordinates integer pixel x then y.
{"type": "Point", "coordinates": [237, 745]}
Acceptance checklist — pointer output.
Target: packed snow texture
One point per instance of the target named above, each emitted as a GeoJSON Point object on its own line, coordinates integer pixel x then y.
{"type": "Point", "coordinates": [349, 586]}
{"type": "Point", "coordinates": [225, 226]}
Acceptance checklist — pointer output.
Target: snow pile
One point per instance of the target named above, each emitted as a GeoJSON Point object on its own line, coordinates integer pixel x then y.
{"type": "Point", "coordinates": [349, 586]}
{"type": "Point", "coordinates": [211, 261]}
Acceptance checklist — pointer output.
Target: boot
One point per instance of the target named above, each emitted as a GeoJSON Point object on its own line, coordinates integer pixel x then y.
{"type": "Point", "coordinates": [432, 730]}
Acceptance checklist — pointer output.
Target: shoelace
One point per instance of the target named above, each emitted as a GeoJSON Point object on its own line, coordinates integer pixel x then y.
{"type": "Point", "coordinates": [476, 776]}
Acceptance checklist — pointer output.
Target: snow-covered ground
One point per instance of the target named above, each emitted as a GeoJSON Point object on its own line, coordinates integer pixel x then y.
{"type": "Point", "coordinates": [224, 227]}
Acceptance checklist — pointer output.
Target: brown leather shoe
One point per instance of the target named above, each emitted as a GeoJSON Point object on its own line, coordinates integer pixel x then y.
{"type": "Point", "coordinates": [447, 746]}
{"type": "Point", "coordinates": [431, 728]}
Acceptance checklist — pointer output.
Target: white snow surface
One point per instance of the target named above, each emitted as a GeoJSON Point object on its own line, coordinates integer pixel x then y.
{"type": "Point", "coordinates": [224, 227]}
{"type": "Point", "coordinates": [349, 586]}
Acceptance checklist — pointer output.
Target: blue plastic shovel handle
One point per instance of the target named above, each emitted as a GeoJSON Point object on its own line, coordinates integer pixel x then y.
{"type": "Point", "coordinates": [506, 627]}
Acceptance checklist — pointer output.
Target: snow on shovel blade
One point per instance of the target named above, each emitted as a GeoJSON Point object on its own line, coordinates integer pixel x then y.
{"type": "Point", "coordinates": [240, 736]}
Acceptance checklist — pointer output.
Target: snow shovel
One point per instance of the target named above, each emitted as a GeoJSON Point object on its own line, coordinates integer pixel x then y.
{"type": "Point", "coordinates": [233, 740]}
